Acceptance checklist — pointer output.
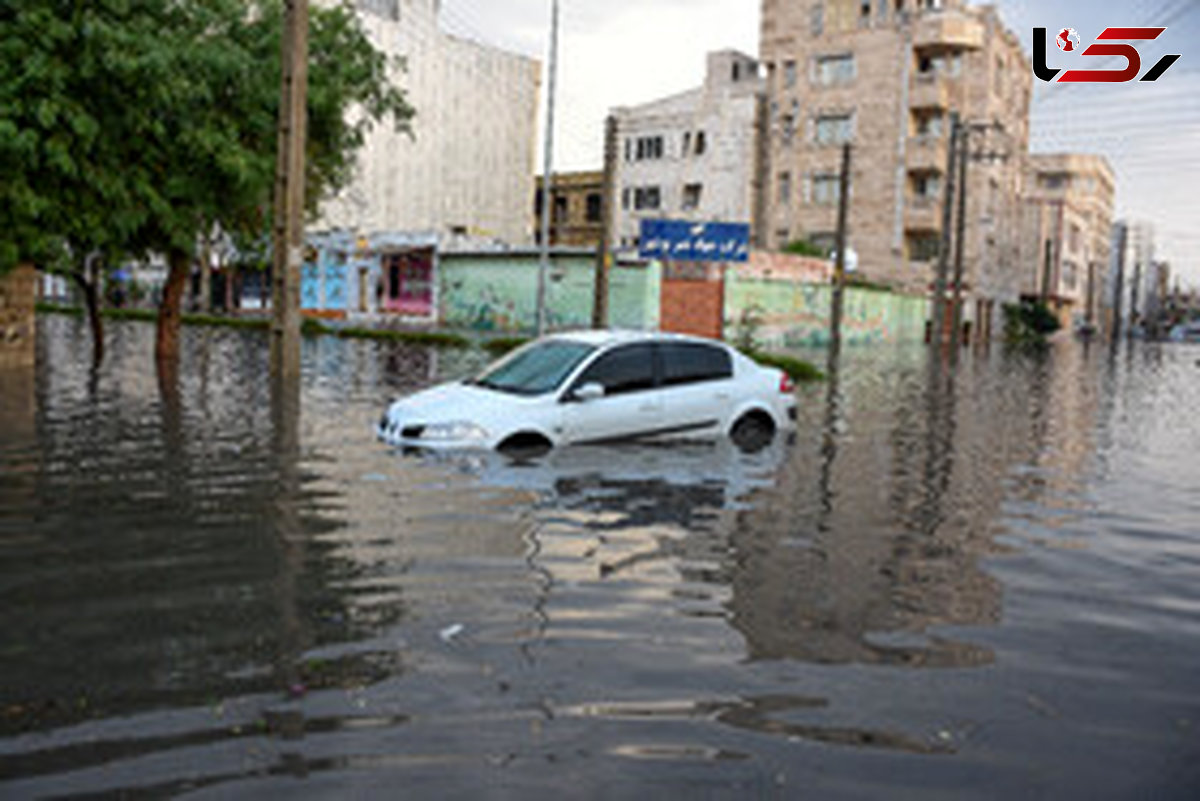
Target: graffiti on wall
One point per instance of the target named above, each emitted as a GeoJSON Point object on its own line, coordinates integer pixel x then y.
{"type": "Point", "coordinates": [789, 315]}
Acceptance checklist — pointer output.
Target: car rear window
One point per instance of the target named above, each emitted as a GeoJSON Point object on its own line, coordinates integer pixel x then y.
{"type": "Point", "coordinates": [692, 362]}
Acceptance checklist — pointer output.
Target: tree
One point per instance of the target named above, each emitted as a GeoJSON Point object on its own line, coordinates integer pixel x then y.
{"type": "Point", "coordinates": [130, 127]}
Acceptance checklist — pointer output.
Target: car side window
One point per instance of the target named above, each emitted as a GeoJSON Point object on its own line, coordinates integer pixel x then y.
{"type": "Point", "coordinates": [693, 363]}
{"type": "Point", "coordinates": [621, 371]}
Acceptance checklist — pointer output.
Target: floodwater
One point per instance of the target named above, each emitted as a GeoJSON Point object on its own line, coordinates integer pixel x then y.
{"type": "Point", "coordinates": [971, 583]}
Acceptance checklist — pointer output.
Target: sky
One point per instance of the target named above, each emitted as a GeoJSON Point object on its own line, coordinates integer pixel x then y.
{"type": "Point", "coordinates": [626, 52]}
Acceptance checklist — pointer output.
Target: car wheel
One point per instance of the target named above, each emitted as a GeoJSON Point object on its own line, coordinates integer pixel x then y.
{"type": "Point", "coordinates": [753, 432]}
{"type": "Point", "coordinates": [521, 447]}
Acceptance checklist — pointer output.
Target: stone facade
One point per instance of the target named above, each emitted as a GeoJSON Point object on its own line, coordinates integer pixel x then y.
{"type": "Point", "coordinates": [18, 322]}
{"type": "Point", "coordinates": [467, 170]}
{"type": "Point", "coordinates": [692, 156]}
{"type": "Point", "coordinates": [576, 219]}
{"type": "Point", "coordinates": [885, 76]}
{"type": "Point", "coordinates": [1067, 221]}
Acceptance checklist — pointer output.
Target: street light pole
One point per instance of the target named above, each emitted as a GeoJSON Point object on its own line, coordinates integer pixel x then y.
{"type": "Point", "coordinates": [547, 172]}
{"type": "Point", "coordinates": [943, 267]}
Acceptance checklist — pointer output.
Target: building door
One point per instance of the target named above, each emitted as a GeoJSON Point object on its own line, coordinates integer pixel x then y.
{"type": "Point", "coordinates": [408, 281]}
{"type": "Point", "coordinates": [693, 300]}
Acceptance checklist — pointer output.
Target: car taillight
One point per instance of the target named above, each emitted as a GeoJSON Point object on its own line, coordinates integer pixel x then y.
{"type": "Point", "coordinates": [786, 385]}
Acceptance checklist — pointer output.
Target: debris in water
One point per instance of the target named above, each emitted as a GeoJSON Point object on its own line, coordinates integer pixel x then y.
{"type": "Point", "coordinates": [450, 632]}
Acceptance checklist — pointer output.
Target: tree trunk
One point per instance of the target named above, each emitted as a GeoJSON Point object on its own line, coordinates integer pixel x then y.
{"type": "Point", "coordinates": [206, 306]}
{"type": "Point", "coordinates": [87, 279]}
{"type": "Point", "coordinates": [170, 311]}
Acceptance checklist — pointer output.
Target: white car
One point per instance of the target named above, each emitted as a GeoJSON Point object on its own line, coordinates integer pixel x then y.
{"type": "Point", "coordinates": [600, 387]}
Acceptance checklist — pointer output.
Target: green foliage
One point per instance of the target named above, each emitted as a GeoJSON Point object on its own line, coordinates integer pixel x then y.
{"type": "Point", "coordinates": [1029, 323]}
{"type": "Point", "coordinates": [802, 247]}
{"type": "Point", "coordinates": [798, 369]}
{"type": "Point", "coordinates": [132, 126]}
{"type": "Point", "coordinates": [503, 345]}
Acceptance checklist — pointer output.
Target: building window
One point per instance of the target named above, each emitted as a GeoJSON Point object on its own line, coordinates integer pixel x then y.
{"type": "Point", "coordinates": [927, 186]}
{"type": "Point", "coordinates": [834, 70]}
{"type": "Point", "coordinates": [701, 143]}
{"type": "Point", "coordinates": [834, 129]}
{"type": "Point", "coordinates": [595, 207]}
{"type": "Point", "coordinates": [692, 193]}
{"type": "Point", "coordinates": [626, 198]}
{"type": "Point", "coordinates": [649, 148]}
{"type": "Point", "coordinates": [782, 238]}
{"type": "Point", "coordinates": [949, 65]}
{"type": "Point", "coordinates": [789, 74]}
{"type": "Point", "coordinates": [826, 189]}
{"type": "Point", "coordinates": [923, 247]}
{"type": "Point", "coordinates": [785, 188]}
{"type": "Point", "coordinates": [560, 210]}
{"type": "Point", "coordinates": [789, 129]}
{"type": "Point", "coordinates": [647, 198]}
{"type": "Point", "coordinates": [1053, 181]}
{"type": "Point", "coordinates": [629, 150]}
{"type": "Point", "coordinates": [687, 143]}
{"type": "Point", "coordinates": [929, 125]}
{"type": "Point", "coordinates": [817, 20]}
{"type": "Point", "coordinates": [388, 9]}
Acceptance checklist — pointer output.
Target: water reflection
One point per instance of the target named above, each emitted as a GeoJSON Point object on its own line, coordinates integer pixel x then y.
{"type": "Point", "coordinates": [207, 586]}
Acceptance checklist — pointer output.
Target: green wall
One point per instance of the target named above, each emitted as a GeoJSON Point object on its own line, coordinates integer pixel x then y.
{"type": "Point", "coordinates": [797, 315]}
{"type": "Point", "coordinates": [499, 293]}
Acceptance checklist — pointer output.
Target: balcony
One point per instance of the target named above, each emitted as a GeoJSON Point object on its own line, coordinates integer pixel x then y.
{"type": "Point", "coordinates": [927, 153]}
{"type": "Point", "coordinates": [931, 90]}
{"type": "Point", "coordinates": [948, 30]}
{"type": "Point", "coordinates": [923, 214]}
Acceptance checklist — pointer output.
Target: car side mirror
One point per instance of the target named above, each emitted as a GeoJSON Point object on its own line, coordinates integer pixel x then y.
{"type": "Point", "coordinates": [589, 392]}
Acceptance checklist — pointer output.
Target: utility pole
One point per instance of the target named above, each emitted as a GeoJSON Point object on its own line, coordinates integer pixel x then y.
{"type": "Point", "coordinates": [547, 172]}
{"type": "Point", "coordinates": [960, 235]}
{"type": "Point", "coordinates": [608, 195]}
{"type": "Point", "coordinates": [289, 194]}
{"type": "Point", "coordinates": [943, 267]}
{"type": "Point", "coordinates": [1135, 295]}
{"type": "Point", "coordinates": [839, 270]}
{"type": "Point", "coordinates": [1048, 272]}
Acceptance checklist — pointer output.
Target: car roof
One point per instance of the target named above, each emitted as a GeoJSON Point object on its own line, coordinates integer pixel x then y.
{"type": "Point", "coordinates": [610, 337]}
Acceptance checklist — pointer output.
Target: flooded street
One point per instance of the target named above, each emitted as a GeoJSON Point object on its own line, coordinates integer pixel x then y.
{"type": "Point", "coordinates": [980, 583]}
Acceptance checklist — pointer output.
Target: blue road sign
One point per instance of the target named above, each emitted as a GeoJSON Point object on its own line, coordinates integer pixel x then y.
{"type": "Point", "coordinates": [678, 240]}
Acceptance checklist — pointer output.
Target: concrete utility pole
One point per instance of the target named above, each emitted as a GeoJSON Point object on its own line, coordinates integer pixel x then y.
{"type": "Point", "coordinates": [839, 270]}
{"type": "Point", "coordinates": [1135, 297]}
{"type": "Point", "coordinates": [1048, 272]}
{"type": "Point", "coordinates": [547, 172]}
{"type": "Point", "coordinates": [608, 195]}
{"type": "Point", "coordinates": [943, 268]}
{"type": "Point", "coordinates": [960, 234]}
{"type": "Point", "coordinates": [289, 194]}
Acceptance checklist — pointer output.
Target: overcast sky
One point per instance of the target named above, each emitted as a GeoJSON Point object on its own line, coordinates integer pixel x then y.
{"type": "Point", "coordinates": [625, 52]}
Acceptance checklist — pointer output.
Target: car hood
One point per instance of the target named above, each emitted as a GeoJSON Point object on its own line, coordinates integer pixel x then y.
{"type": "Point", "coordinates": [451, 403]}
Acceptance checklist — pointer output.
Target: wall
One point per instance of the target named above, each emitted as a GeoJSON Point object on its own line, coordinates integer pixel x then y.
{"type": "Point", "coordinates": [499, 293]}
{"type": "Point", "coordinates": [797, 315]}
{"type": "Point", "coordinates": [18, 325]}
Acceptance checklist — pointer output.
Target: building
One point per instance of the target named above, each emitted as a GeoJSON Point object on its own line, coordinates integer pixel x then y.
{"type": "Point", "coordinates": [1066, 235]}
{"type": "Point", "coordinates": [1131, 254]}
{"type": "Point", "coordinates": [885, 77]}
{"type": "Point", "coordinates": [576, 218]}
{"type": "Point", "coordinates": [692, 156]}
{"type": "Point", "coordinates": [466, 172]}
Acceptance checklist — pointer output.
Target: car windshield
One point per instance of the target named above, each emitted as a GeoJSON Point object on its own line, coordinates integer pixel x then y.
{"type": "Point", "coordinates": [535, 370]}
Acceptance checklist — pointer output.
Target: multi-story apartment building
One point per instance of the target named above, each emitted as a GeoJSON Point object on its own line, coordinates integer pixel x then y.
{"type": "Point", "coordinates": [885, 76]}
{"type": "Point", "coordinates": [693, 156]}
{"type": "Point", "coordinates": [1066, 232]}
{"type": "Point", "coordinates": [467, 169]}
{"type": "Point", "coordinates": [1133, 253]}
{"type": "Point", "coordinates": [576, 218]}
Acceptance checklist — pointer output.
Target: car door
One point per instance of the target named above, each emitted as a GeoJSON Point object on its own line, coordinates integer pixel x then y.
{"type": "Point", "coordinates": [697, 387]}
{"type": "Point", "coordinates": [630, 407]}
